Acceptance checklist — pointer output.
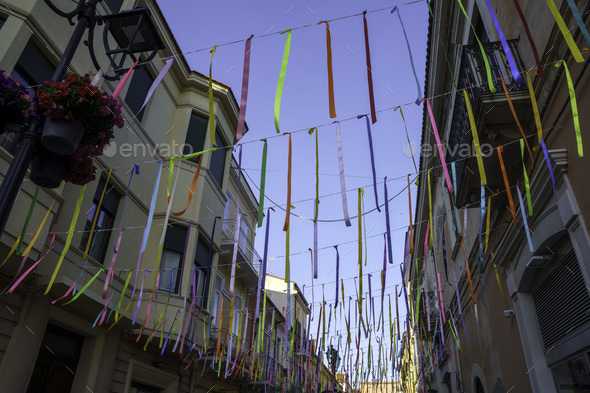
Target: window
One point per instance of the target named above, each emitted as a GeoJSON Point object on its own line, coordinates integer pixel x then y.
{"type": "Point", "coordinates": [195, 135]}
{"type": "Point", "coordinates": [137, 387]}
{"type": "Point", "coordinates": [138, 89]}
{"type": "Point", "coordinates": [114, 5]}
{"type": "Point", "coordinates": [237, 311]}
{"type": "Point", "coordinates": [217, 165]}
{"type": "Point", "coordinates": [203, 263]}
{"type": "Point", "coordinates": [2, 21]}
{"type": "Point", "coordinates": [216, 303]}
{"type": "Point", "coordinates": [104, 222]}
{"type": "Point", "coordinates": [573, 375]}
{"type": "Point", "coordinates": [172, 256]}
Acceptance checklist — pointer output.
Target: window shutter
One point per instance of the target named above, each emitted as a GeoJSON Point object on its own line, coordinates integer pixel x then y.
{"type": "Point", "coordinates": [562, 301]}
{"type": "Point", "coordinates": [138, 89]}
{"type": "Point", "coordinates": [110, 201]}
{"type": "Point", "coordinates": [217, 166]}
{"type": "Point", "coordinates": [195, 135]}
{"type": "Point", "coordinates": [33, 65]}
{"type": "Point", "coordinates": [175, 238]}
{"type": "Point", "coordinates": [202, 254]}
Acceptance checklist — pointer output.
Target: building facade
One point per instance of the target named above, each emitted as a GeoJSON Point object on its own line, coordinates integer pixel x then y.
{"type": "Point", "coordinates": [501, 283]}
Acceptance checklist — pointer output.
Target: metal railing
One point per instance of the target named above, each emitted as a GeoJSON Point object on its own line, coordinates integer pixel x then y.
{"type": "Point", "coordinates": [245, 245]}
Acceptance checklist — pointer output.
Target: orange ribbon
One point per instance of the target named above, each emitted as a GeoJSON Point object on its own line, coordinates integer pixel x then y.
{"type": "Point", "coordinates": [516, 119]}
{"type": "Point", "coordinates": [503, 167]}
{"type": "Point", "coordinates": [468, 271]}
{"type": "Point", "coordinates": [330, 75]}
{"type": "Point", "coordinates": [191, 191]}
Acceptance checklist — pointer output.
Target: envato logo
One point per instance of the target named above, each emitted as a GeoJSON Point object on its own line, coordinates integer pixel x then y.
{"type": "Point", "coordinates": [127, 150]}
{"type": "Point", "coordinates": [461, 150]}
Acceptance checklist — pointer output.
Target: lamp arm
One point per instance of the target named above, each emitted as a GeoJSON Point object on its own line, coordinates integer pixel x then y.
{"type": "Point", "coordinates": [67, 15]}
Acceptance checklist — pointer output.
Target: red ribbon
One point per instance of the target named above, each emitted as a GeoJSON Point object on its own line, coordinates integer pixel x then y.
{"type": "Point", "coordinates": [369, 71]}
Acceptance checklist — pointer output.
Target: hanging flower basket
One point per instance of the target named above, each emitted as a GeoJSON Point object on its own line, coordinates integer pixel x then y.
{"type": "Point", "coordinates": [62, 136]}
{"type": "Point", "coordinates": [48, 169]}
{"type": "Point", "coordinates": [79, 124]}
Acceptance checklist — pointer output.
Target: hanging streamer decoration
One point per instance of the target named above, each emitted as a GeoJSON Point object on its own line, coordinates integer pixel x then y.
{"type": "Point", "coordinates": [288, 210]}
{"type": "Point", "coordinates": [369, 69]}
{"type": "Point", "coordinates": [372, 161]}
{"type": "Point", "coordinates": [548, 161]}
{"type": "Point", "coordinates": [526, 180]}
{"type": "Point", "coordinates": [419, 96]}
{"type": "Point", "coordinates": [410, 211]}
{"type": "Point", "coordinates": [342, 178]}
{"type": "Point", "coordinates": [529, 36]}
{"type": "Point", "coordinates": [401, 112]}
{"type": "Point", "coordinates": [439, 145]}
{"type": "Point", "coordinates": [387, 223]}
{"type": "Point", "coordinates": [211, 103]}
{"type": "Point", "coordinates": [245, 81]}
{"type": "Point", "coordinates": [482, 172]}
{"type": "Point", "coordinates": [483, 53]}
{"type": "Point", "coordinates": [535, 106]}
{"type": "Point", "coordinates": [524, 220]}
{"type": "Point", "coordinates": [152, 89]}
{"type": "Point", "coordinates": [337, 276]}
{"type": "Point", "coordinates": [499, 285]}
{"type": "Point", "coordinates": [96, 215]}
{"type": "Point", "coordinates": [579, 20]}
{"type": "Point", "coordinates": [330, 75]}
{"type": "Point", "coordinates": [516, 118]}
{"type": "Point", "coordinates": [574, 104]}
{"type": "Point", "coordinates": [27, 220]}
{"type": "Point", "coordinates": [262, 184]}
{"type": "Point", "coordinates": [281, 83]}
{"type": "Point", "coordinates": [500, 149]}
{"type": "Point", "coordinates": [566, 32]}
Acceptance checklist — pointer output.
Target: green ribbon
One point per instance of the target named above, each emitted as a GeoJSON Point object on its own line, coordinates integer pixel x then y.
{"type": "Point", "coordinates": [279, 93]}
{"type": "Point", "coordinates": [29, 214]}
{"type": "Point", "coordinates": [188, 157]}
{"type": "Point", "coordinates": [317, 174]}
{"type": "Point", "coordinates": [262, 184]}
{"type": "Point", "coordinates": [122, 294]}
{"type": "Point", "coordinates": [526, 179]}
{"type": "Point", "coordinates": [85, 286]}
{"type": "Point", "coordinates": [68, 238]}
{"type": "Point", "coordinates": [574, 103]}
{"type": "Point", "coordinates": [211, 113]}
{"type": "Point", "coordinates": [483, 53]}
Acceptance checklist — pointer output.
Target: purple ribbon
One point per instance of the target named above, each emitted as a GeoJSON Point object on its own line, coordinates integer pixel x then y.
{"type": "Point", "coordinates": [406, 249]}
{"type": "Point", "coordinates": [384, 276]}
{"type": "Point", "coordinates": [337, 275]}
{"type": "Point", "coordinates": [139, 299]}
{"type": "Point", "coordinates": [245, 80]}
{"type": "Point", "coordinates": [155, 84]}
{"type": "Point", "coordinates": [459, 302]}
{"type": "Point", "coordinates": [507, 50]}
{"type": "Point", "coordinates": [524, 220]}
{"type": "Point", "coordinates": [372, 160]}
{"type": "Point", "coordinates": [315, 248]}
{"type": "Point", "coordinates": [387, 224]}
{"type": "Point", "coordinates": [188, 234]}
{"type": "Point", "coordinates": [169, 332]}
{"type": "Point", "coordinates": [206, 291]}
{"type": "Point", "coordinates": [341, 168]}
{"type": "Point", "coordinates": [548, 161]}
{"type": "Point", "coordinates": [232, 278]}
{"type": "Point", "coordinates": [265, 257]}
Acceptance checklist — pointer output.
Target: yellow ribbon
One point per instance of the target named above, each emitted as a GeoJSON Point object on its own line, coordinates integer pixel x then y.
{"type": "Point", "coordinates": [526, 180]}
{"type": "Point", "coordinates": [499, 285]}
{"type": "Point", "coordinates": [12, 250]}
{"type": "Point", "coordinates": [123, 293]}
{"type": "Point", "coordinates": [574, 104]}
{"type": "Point", "coordinates": [96, 214]}
{"type": "Point", "coordinates": [482, 172]}
{"type": "Point", "coordinates": [68, 238]}
{"type": "Point", "coordinates": [211, 109]}
{"type": "Point", "coordinates": [281, 83]}
{"type": "Point", "coordinates": [565, 31]}
{"type": "Point", "coordinates": [535, 107]}
{"type": "Point", "coordinates": [187, 157]}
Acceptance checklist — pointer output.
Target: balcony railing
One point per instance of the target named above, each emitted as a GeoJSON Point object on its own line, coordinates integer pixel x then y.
{"type": "Point", "coordinates": [245, 246]}
{"type": "Point", "coordinates": [473, 78]}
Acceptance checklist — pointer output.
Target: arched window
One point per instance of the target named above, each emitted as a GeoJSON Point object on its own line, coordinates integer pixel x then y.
{"type": "Point", "coordinates": [478, 386]}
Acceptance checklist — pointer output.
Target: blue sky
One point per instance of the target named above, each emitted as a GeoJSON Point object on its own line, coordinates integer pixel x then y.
{"type": "Point", "coordinates": [200, 25]}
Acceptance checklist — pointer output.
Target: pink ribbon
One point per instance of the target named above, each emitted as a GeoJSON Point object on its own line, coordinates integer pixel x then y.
{"type": "Point", "coordinates": [342, 179]}
{"type": "Point", "coordinates": [21, 278]}
{"type": "Point", "coordinates": [124, 81]}
{"type": "Point", "coordinates": [111, 270]}
{"type": "Point", "coordinates": [442, 307]}
{"type": "Point", "coordinates": [439, 145]}
{"type": "Point", "coordinates": [245, 80]}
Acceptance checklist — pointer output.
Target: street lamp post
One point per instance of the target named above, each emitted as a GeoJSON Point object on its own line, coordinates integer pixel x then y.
{"type": "Point", "coordinates": [136, 43]}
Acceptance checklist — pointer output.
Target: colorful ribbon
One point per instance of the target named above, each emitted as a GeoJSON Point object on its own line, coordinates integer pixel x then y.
{"type": "Point", "coordinates": [84, 287]}
{"type": "Point", "coordinates": [535, 106]}
{"type": "Point", "coordinates": [262, 184]}
{"type": "Point", "coordinates": [372, 160]}
{"type": "Point", "coordinates": [442, 306]}
{"type": "Point", "coordinates": [121, 84]}
{"type": "Point", "coordinates": [342, 178]}
{"type": "Point", "coordinates": [27, 220]}
{"type": "Point", "coordinates": [288, 210]}
{"type": "Point", "coordinates": [548, 161]}
{"type": "Point", "coordinates": [529, 36]}
{"type": "Point", "coordinates": [566, 32]}
{"type": "Point", "coordinates": [360, 258]}
{"type": "Point", "coordinates": [281, 83]}
{"type": "Point", "coordinates": [68, 238]}
{"type": "Point", "coordinates": [111, 269]}
{"type": "Point", "coordinates": [191, 191]}
{"type": "Point", "coordinates": [387, 223]}
{"type": "Point", "coordinates": [330, 75]}
{"type": "Point", "coordinates": [506, 184]}
{"type": "Point", "coordinates": [21, 278]}
{"type": "Point", "coordinates": [488, 222]}
{"type": "Point", "coordinates": [579, 20]}
{"type": "Point", "coordinates": [211, 107]}
{"type": "Point", "coordinates": [526, 179]}
{"type": "Point", "coordinates": [410, 211]}
{"type": "Point", "coordinates": [245, 81]}
{"type": "Point", "coordinates": [516, 118]}
{"type": "Point", "coordinates": [482, 172]}
{"type": "Point", "coordinates": [419, 96]}
{"type": "Point", "coordinates": [155, 84]}
{"type": "Point", "coordinates": [459, 302]}
{"type": "Point", "coordinates": [96, 215]}
{"type": "Point", "coordinates": [401, 112]}
{"type": "Point", "coordinates": [431, 242]}
{"type": "Point", "coordinates": [499, 285]}
{"type": "Point", "coordinates": [439, 145]}
{"type": "Point", "coordinates": [524, 220]}
{"type": "Point", "coordinates": [187, 157]}
{"type": "Point", "coordinates": [148, 225]}
{"type": "Point", "coordinates": [317, 173]}
{"type": "Point", "coordinates": [483, 52]}
{"type": "Point", "coordinates": [337, 276]}
{"type": "Point", "coordinates": [509, 56]}
{"type": "Point", "coordinates": [369, 69]}
{"type": "Point", "coordinates": [574, 104]}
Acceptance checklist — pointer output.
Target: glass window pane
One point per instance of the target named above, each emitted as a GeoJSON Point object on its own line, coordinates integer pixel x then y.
{"type": "Point", "coordinates": [169, 261]}
{"type": "Point", "coordinates": [217, 165]}
{"type": "Point", "coordinates": [195, 135]}
{"type": "Point", "coordinates": [138, 88]}
{"type": "Point", "coordinates": [573, 376]}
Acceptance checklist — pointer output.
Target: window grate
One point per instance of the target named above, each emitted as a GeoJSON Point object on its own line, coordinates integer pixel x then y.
{"type": "Point", "coordinates": [562, 301]}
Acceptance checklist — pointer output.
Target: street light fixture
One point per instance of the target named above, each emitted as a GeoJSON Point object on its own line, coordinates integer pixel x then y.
{"type": "Point", "coordinates": [133, 31]}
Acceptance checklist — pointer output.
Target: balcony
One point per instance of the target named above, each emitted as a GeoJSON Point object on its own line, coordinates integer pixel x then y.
{"type": "Point", "coordinates": [247, 255]}
{"type": "Point", "coordinates": [494, 121]}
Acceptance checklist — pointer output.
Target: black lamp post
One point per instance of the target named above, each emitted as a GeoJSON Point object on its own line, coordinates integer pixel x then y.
{"type": "Point", "coordinates": [133, 31]}
{"type": "Point", "coordinates": [334, 360]}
